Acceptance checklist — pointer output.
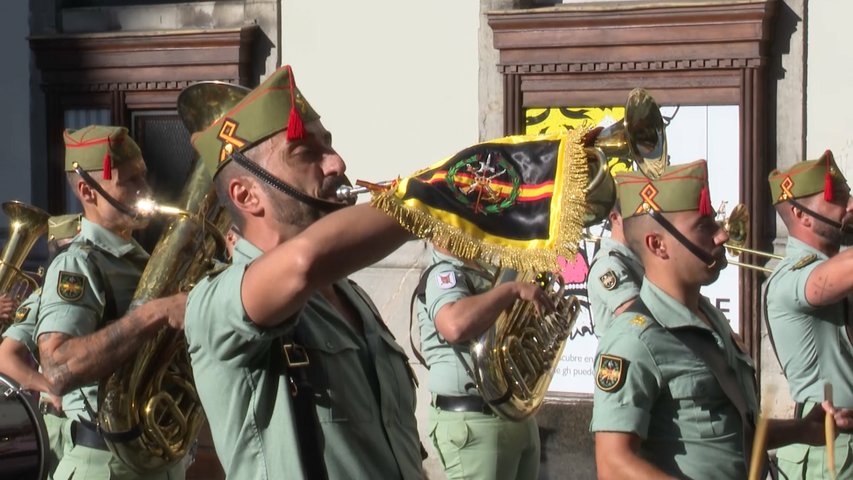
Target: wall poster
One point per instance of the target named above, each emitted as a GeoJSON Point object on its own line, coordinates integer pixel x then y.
{"type": "Point", "coordinates": [694, 132]}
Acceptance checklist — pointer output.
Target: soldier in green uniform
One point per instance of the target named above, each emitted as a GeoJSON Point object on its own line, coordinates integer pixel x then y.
{"type": "Point", "coordinates": [459, 302]}
{"type": "Point", "coordinates": [675, 396]}
{"type": "Point", "coordinates": [807, 306]}
{"type": "Point", "coordinates": [299, 375]}
{"type": "Point", "coordinates": [84, 329]}
{"type": "Point", "coordinates": [19, 354]}
{"type": "Point", "coordinates": [615, 275]}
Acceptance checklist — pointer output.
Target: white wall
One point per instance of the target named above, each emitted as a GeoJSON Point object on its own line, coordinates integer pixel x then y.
{"type": "Point", "coordinates": [829, 99]}
{"type": "Point", "coordinates": [397, 94]}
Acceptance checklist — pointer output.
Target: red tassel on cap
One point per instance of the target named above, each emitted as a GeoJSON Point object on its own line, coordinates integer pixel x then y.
{"type": "Point", "coordinates": [705, 208]}
{"type": "Point", "coordinates": [295, 127]}
{"type": "Point", "coordinates": [108, 165]}
{"type": "Point", "coordinates": [827, 178]}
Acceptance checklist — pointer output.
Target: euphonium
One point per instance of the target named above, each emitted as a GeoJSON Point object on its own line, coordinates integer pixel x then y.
{"type": "Point", "coordinates": [153, 396]}
{"type": "Point", "coordinates": [27, 223]}
{"type": "Point", "coordinates": [515, 359]}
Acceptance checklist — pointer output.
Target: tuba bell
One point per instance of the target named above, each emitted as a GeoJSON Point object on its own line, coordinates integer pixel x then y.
{"type": "Point", "coordinates": [26, 224]}
{"type": "Point", "coordinates": [152, 398]}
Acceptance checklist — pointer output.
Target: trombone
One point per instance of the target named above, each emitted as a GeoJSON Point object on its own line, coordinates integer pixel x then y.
{"type": "Point", "coordinates": [737, 226]}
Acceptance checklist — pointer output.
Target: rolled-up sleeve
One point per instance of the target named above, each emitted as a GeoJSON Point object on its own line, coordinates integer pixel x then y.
{"type": "Point", "coordinates": [627, 406]}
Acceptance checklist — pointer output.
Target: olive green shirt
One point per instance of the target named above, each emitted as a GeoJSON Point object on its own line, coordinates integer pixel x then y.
{"type": "Point", "coordinates": [24, 328]}
{"type": "Point", "coordinates": [811, 342]}
{"type": "Point", "coordinates": [365, 399]}
{"type": "Point", "coordinates": [651, 384]}
{"type": "Point", "coordinates": [94, 257]}
{"type": "Point", "coordinates": [614, 278]}
{"type": "Point", "coordinates": [450, 281]}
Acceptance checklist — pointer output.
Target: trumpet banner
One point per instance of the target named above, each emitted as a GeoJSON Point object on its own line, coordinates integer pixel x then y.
{"type": "Point", "coordinates": [516, 202]}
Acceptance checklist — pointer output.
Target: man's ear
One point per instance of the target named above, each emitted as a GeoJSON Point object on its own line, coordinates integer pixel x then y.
{"type": "Point", "coordinates": [655, 244]}
{"type": "Point", "coordinates": [85, 193]}
{"type": "Point", "coordinates": [244, 194]}
{"type": "Point", "coordinates": [800, 216]}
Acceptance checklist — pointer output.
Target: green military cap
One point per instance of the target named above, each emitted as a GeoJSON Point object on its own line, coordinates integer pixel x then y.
{"type": "Point", "coordinates": [807, 178]}
{"type": "Point", "coordinates": [62, 227]}
{"type": "Point", "coordinates": [99, 147]}
{"type": "Point", "coordinates": [680, 188]}
{"type": "Point", "coordinates": [273, 106]}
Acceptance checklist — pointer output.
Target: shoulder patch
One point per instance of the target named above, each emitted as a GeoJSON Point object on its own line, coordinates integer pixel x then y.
{"type": "Point", "coordinates": [446, 280]}
{"type": "Point", "coordinates": [21, 314]}
{"type": "Point", "coordinates": [71, 286]}
{"type": "Point", "coordinates": [611, 373]}
{"type": "Point", "coordinates": [609, 280]}
{"type": "Point", "coordinates": [808, 259]}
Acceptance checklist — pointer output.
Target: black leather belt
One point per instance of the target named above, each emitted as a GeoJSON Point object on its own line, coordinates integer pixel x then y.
{"type": "Point", "coordinates": [82, 434]}
{"type": "Point", "coordinates": [469, 403]}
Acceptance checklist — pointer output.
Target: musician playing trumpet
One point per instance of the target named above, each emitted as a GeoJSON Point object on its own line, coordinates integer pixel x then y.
{"type": "Point", "coordinates": [675, 396]}
{"type": "Point", "coordinates": [807, 302]}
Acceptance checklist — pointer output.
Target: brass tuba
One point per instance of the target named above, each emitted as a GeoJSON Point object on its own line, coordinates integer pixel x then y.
{"type": "Point", "coordinates": [26, 224]}
{"type": "Point", "coordinates": [152, 398]}
{"type": "Point", "coordinates": [514, 360]}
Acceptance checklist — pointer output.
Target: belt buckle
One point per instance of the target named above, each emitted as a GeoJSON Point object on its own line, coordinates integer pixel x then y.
{"type": "Point", "coordinates": [296, 355]}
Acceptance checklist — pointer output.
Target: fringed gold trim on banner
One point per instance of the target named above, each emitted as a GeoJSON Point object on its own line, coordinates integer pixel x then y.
{"type": "Point", "coordinates": [570, 214]}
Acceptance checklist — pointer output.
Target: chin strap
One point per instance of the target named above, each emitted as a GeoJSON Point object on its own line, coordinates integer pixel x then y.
{"type": "Point", "coordinates": [818, 216]}
{"type": "Point", "coordinates": [98, 188]}
{"type": "Point", "coordinates": [706, 257]}
{"type": "Point", "coordinates": [279, 185]}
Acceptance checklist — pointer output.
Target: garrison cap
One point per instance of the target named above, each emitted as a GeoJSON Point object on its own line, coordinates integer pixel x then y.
{"type": "Point", "coordinates": [273, 106]}
{"type": "Point", "coordinates": [99, 147]}
{"type": "Point", "coordinates": [808, 178]}
{"type": "Point", "coordinates": [680, 188]}
{"type": "Point", "coordinates": [62, 227]}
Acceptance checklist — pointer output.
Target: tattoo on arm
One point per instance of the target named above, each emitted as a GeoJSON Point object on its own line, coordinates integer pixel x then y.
{"type": "Point", "coordinates": [70, 362]}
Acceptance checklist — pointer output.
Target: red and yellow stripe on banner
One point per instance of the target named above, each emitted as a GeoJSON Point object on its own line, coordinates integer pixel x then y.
{"type": "Point", "coordinates": [527, 193]}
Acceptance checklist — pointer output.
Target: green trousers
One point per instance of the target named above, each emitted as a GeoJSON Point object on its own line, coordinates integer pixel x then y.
{"type": "Point", "coordinates": [478, 446]}
{"type": "Point", "coordinates": [58, 440]}
{"type": "Point", "coordinates": [805, 462]}
{"type": "Point", "coordinates": [79, 462]}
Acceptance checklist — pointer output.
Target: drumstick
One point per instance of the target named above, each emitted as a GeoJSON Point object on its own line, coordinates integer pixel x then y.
{"type": "Point", "coordinates": [756, 460]}
{"type": "Point", "coordinates": [829, 429]}
{"type": "Point", "coordinates": [759, 441]}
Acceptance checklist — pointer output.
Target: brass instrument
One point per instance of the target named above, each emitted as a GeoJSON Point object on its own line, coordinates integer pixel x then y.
{"type": "Point", "coordinates": [640, 137]}
{"type": "Point", "coordinates": [27, 224]}
{"type": "Point", "coordinates": [737, 226]}
{"type": "Point", "coordinates": [515, 359]}
{"type": "Point", "coordinates": [154, 393]}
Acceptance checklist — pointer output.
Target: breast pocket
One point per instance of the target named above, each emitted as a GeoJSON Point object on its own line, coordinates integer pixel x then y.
{"type": "Point", "coordinates": [342, 393]}
{"type": "Point", "coordinates": [701, 408]}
